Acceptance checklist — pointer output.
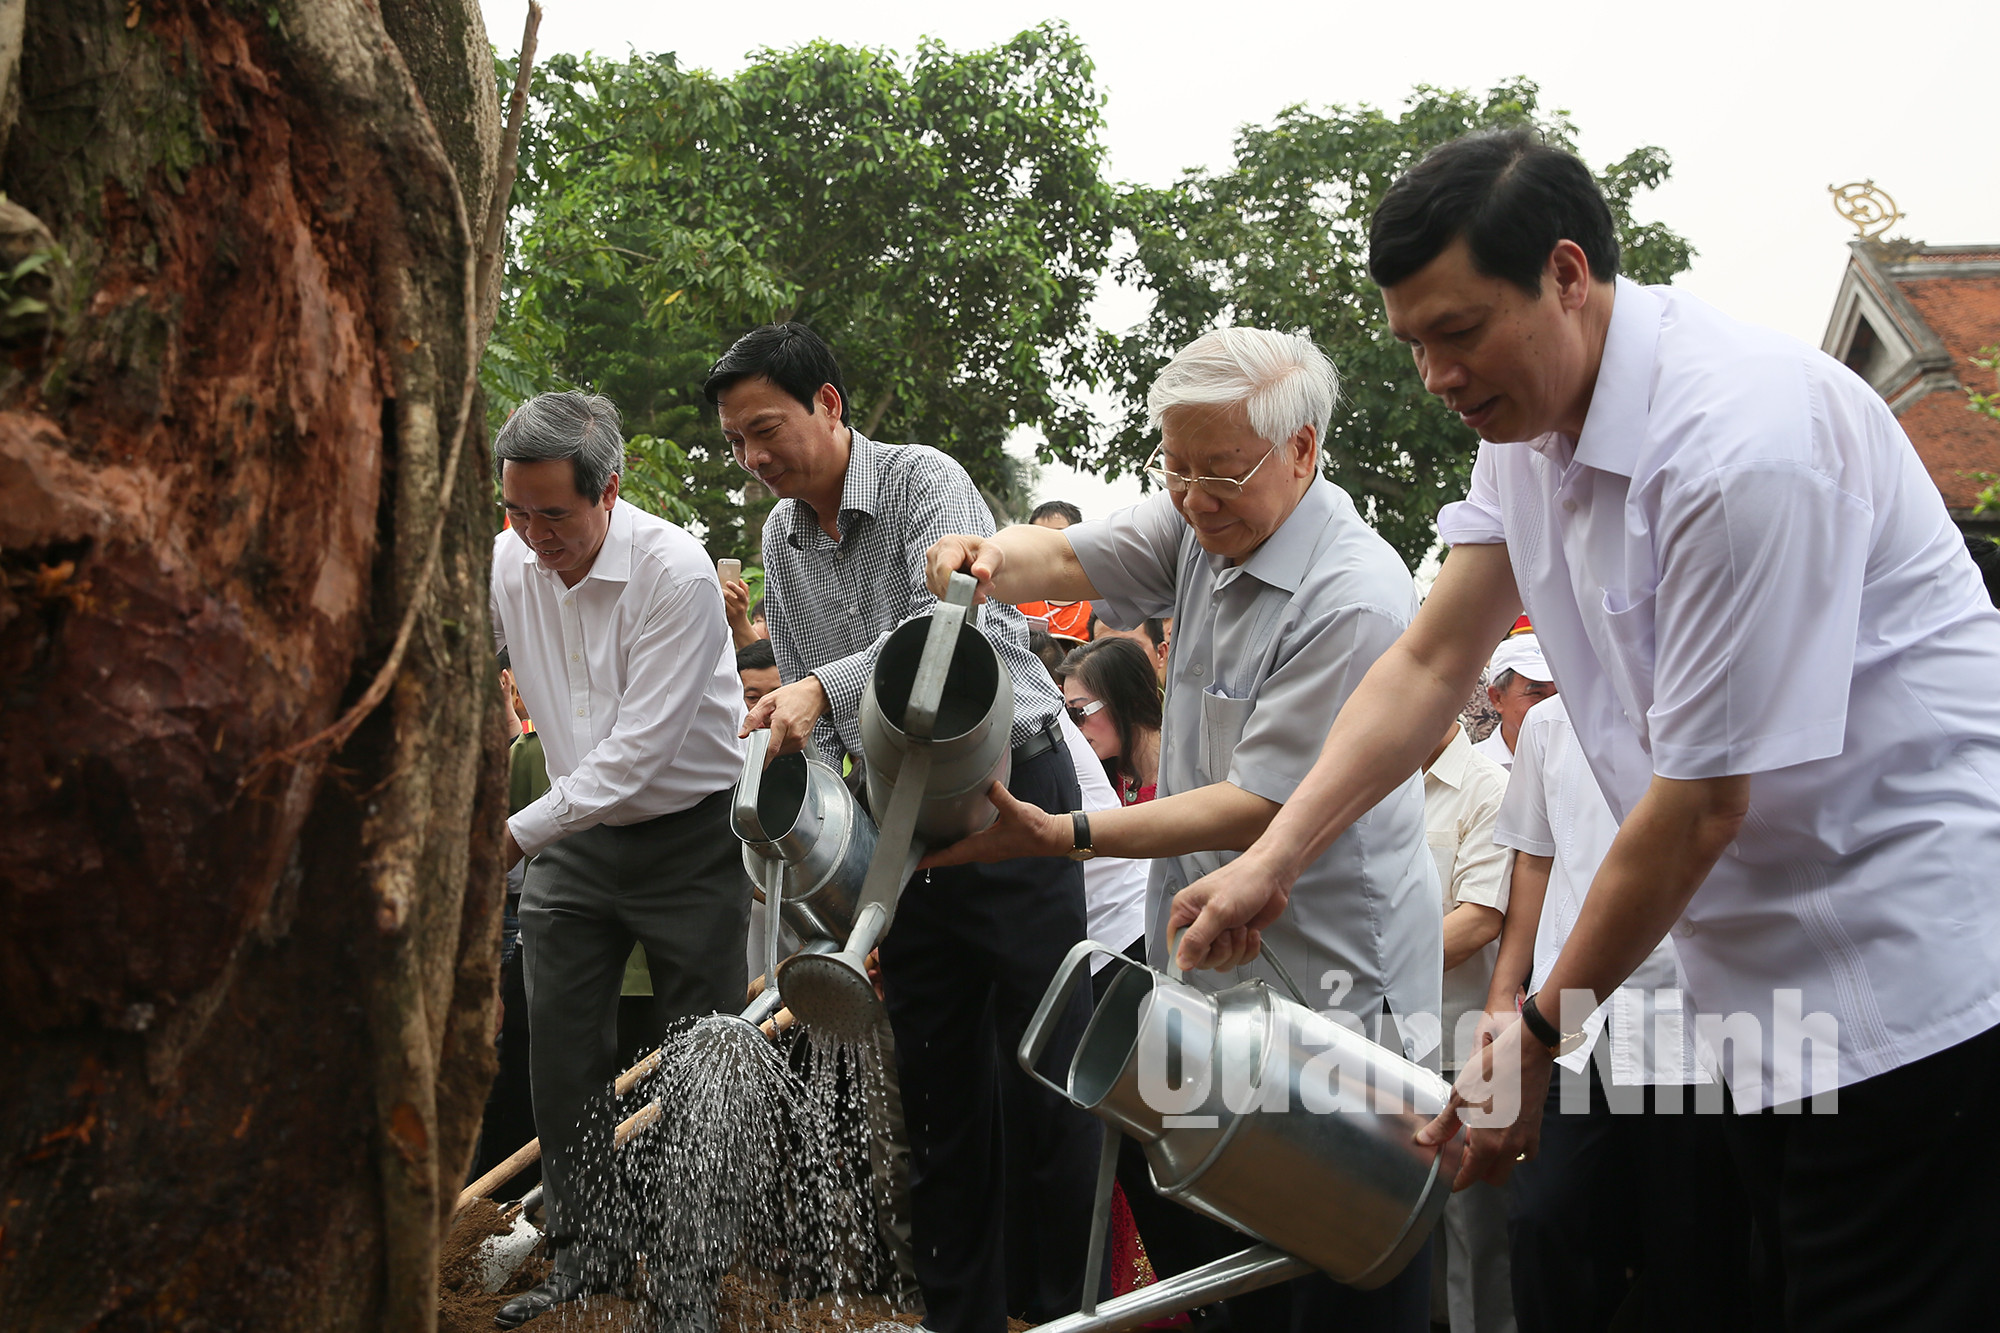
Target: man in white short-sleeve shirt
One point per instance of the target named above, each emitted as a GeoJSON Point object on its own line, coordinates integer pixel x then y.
{"type": "Point", "coordinates": [1463, 790]}
{"type": "Point", "coordinates": [1628, 1182]}
{"type": "Point", "coordinates": [1781, 667]}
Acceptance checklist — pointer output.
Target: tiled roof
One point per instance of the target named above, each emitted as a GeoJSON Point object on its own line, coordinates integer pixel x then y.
{"type": "Point", "coordinates": [1959, 306]}
{"type": "Point", "coordinates": [1953, 442]}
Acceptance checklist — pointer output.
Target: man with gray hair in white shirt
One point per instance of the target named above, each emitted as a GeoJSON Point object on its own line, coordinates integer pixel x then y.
{"type": "Point", "coordinates": [1779, 664]}
{"type": "Point", "coordinates": [615, 624]}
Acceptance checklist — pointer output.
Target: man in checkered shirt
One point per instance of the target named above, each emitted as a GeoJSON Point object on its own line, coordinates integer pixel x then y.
{"type": "Point", "coordinates": [973, 948]}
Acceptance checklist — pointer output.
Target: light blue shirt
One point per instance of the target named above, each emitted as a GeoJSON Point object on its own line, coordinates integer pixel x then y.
{"type": "Point", "coordinates": [1264, 654]}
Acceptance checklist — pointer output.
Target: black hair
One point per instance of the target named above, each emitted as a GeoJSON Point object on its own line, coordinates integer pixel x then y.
{"type": "Point", "coordinates": [1510, 195]}
{"type": "Point", "coordinates": [1119, 672]}
{"type": "Point", "coordinates": [790, 355]}
{"type": "Point", "coordinates": [1056, 508]}
{"type": "Point", "coordinates": [756, 655]}
{"type": "Point", "coordinates": [1156, 628]}
{"type": "Point", "coordinates": [1043, 645]}
{"type": "Point", "coordinates": [505, 659]}
{"type": "Point", "coordinates": [757, 609]}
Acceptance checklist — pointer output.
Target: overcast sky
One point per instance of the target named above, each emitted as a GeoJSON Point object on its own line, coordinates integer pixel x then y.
{"type": "Point", "coordinates": [1762, 105]}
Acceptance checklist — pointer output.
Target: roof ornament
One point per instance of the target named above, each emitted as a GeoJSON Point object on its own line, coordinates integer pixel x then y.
{"type": "Point", "coordinates": [1867, 205]}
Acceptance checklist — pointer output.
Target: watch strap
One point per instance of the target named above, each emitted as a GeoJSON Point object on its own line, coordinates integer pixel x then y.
{"type": "Point", "coordinates": [1545, 1032]}
{"type": "Point", "coordinates": [1080, 848]}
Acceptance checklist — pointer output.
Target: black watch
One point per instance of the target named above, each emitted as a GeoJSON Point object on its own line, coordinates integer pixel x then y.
{"type": "Point", "coordinates": [1080, 848]}
{"type": "Point", "coordinates": [1548, 1034]}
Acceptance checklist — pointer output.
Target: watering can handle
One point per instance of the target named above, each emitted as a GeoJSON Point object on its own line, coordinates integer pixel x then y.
{"type": "Point", "coordinates": [750, 785]}
{"type": "Point", "coordinates": [927, 692]}
{"type": "Point", "coordinates": [1035, 1037]}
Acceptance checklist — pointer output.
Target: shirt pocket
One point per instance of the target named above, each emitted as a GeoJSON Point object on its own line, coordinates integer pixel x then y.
{"type": "Point", "coordinates": [1222, 723]}
{"type": "Point", "coordinates": [1629, 652]}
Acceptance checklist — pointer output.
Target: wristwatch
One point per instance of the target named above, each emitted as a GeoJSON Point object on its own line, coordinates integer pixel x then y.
{"type": "Point", "coordinates": [1548, 1034]}
{"type": "Point", "coordinates": [1080, 848]}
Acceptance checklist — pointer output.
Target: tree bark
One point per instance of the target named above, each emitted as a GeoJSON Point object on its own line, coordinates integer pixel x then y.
{"type": "Point", "coordinates": [246, 984]}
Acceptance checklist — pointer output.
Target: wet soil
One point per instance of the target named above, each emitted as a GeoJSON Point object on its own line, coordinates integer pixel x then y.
{"type": "Point", "coordinates": [748, 1303]}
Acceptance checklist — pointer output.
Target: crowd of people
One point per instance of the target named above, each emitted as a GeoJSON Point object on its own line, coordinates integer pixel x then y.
{"type": "Point", "coordinates": [1701, 930]}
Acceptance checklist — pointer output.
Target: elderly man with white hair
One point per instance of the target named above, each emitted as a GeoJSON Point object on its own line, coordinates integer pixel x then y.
{"type": "Point", "coordinates": [1282, 598]}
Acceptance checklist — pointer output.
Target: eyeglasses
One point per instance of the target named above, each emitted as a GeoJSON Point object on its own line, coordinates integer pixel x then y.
{"type": "Point", "coordinates": [1222, 488]}
{"type": "Point", "coordinates": [1078, 712]}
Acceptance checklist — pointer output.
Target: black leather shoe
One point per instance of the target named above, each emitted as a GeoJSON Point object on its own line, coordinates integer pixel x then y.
{"type": "Point", "coordinates": [560, 1289]}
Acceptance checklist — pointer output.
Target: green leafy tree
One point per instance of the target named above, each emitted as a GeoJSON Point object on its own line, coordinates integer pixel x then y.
{"type": "Point", "coordinates": [1280, 240]}
{"type": "Point", "coordinates": [941, 221]}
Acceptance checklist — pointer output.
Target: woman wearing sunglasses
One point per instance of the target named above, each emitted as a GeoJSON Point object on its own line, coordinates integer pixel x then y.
{"type": "Point", "coordinates": [1113, 697]}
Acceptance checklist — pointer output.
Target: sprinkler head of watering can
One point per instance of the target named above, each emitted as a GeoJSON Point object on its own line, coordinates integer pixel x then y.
{"type": "Point", "coordinates": [831, 992]}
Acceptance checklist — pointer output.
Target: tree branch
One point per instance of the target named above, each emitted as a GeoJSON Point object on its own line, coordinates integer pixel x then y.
{"type": "Point", "coordinates": [879, 410]}
{"type": "Point", "coordinates": [503, 183]}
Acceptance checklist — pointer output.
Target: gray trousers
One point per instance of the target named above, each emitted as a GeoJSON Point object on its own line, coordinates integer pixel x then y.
{"type": "Point", "coordinates": [676, 885]}
{"type": "Point", "coordinates": [1479, 1296]}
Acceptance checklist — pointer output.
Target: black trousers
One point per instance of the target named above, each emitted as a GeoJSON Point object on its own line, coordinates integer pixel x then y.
{"type": "Point", "coordinates": [676, 884]}
{"type": "Point", "coordinates": [1881, 1215]}
{"type": "Point", "coordinates": [966, 961]}
{"type": "Point", "coordinates": [1623, 1203]}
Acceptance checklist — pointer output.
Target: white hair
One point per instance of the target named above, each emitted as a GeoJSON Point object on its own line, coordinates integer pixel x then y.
{"type": "Point", "coordinates": [1282, 380]}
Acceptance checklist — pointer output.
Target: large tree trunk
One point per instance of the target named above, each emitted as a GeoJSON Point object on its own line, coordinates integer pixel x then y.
{"type": "Point", "coordinates": [247, 930]}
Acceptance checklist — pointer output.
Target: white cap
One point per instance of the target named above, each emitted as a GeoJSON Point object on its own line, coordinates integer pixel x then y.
{"type": "Point", "coordinates": [1522, 655]}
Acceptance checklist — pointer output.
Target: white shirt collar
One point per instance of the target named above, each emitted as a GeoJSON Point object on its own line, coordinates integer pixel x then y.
{"type": "Point", "coordinates": [1622, 396]}
{"type": "Point", "coordinates": [1450, 766]}
{"type": "Point", "coordinates": [614, 557]}
{"type": "Point", "coordinates": [1615, 426]}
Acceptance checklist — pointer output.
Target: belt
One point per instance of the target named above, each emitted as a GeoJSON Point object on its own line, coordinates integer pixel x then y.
{"type": "Point", "coordinates": [1040, 743]}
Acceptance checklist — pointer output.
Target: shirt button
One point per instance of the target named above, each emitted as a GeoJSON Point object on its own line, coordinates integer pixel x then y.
{"type": "Point", "coordinates": [580, 712]}
{"type": "Point", "coordinates": [1685, 929]}
{"type": "Point", "coordinates": [1197, 671]}
{"type": "Point", "coordinates": [1569, 506]}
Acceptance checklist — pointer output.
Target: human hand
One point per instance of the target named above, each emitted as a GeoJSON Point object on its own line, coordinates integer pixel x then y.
{"type": "Point", "coordinates": [790, 711]}
{"type": "Point", "coordinates": [507, 702]}
{"type": "Point", "coordinates": [1019, 830]}
{"type": "Point", "coordinates": [1499, 1100]}
{"type": "Point", "coordinates": [873, 965]}
{"type": "Point", "coordinates": [977, 556]}
{"type": "Point", "coordinates": [736, 607]}
{"type": "Point", "coordinates": [1224, 914]}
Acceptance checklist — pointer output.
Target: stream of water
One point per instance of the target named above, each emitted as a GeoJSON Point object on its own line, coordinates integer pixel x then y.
{"type": "Point", "coordinates": [760, 1165]}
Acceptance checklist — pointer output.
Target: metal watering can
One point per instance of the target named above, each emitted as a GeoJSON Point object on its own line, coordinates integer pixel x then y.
{"type": "Point", "coordinates": [1260, 1113]}
{"type": "Point", "coordinates": [927, 775]}
{"type": "Point", "coordinates": [798, 813]}
{"type": "Point", "coordinates": [967, 732]}
{"type": "Point", "coordinates": [806, 844]}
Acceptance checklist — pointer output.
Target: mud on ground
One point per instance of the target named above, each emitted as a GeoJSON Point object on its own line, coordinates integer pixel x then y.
{"type": "Point", "coordinates": [749, 1306]}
